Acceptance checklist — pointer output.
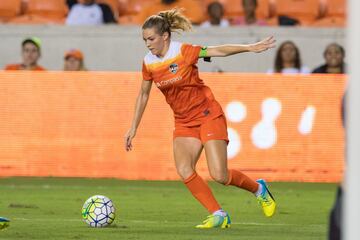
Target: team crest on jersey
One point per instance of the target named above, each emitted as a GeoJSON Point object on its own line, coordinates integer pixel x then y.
{"type": "Point", "coordinates": [173, 68]}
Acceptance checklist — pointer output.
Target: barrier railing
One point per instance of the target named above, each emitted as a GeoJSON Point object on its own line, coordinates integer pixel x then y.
{"type": "Point", "coordinates": [281, 128]}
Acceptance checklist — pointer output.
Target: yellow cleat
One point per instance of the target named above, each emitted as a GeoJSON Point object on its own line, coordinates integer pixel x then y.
{"type": "Point", "coordinates": [266, 199]}
{"type": "Point", "coordinates": [215, 221]}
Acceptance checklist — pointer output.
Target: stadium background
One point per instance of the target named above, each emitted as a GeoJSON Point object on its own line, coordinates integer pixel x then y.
{"type": "Point", "coordinates": [58, 125]}
{"type": "Point", "coordinates": [63, 124]}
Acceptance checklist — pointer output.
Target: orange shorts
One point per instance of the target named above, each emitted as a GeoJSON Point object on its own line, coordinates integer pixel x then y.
{"type": "Point", "coordinates": [213, 129]}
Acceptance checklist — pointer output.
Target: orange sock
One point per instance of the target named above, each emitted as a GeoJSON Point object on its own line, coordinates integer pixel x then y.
{"type": "Point", "coordinates": [236, 178]}
{"type": "Point", "coordinates": [201, 191]}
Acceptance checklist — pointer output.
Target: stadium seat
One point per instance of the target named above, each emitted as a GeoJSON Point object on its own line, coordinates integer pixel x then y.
{"type": "Point", "coordinates": [322, 8]}
{"type": "Point", "coordinates": [330, 22]}
{"type": "Point", "coordinates": [306, 11]}
{"type": "Point", "coordinates": [128, 20]}
{"type": "Point", "coordinates": [233, 8]}
{"type": "Point", "coordinates": [30, 19]}
{"type": "Point", "coordinates": [122, 7]}
{"type": "Point", "coordinates": [9, 9]}
{"type": "Point", "coordinates": [194, 9]}
{"type": "Point", "coordinates": [335, 8]}
{"type": "Point", "coordinates": [133, 7]}
{"type": "Point", "coordinates": [334, 14]}
{"type": "Point", "coordinates": [51, 9]}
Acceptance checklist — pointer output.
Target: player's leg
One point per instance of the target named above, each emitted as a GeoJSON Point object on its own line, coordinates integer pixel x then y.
{"type": "Point", "coordinates": [186, 153]}
{"type": "Point", "coordinates": [217, 162]}
{"type": "Point", "coordinates": [214, 138]}
{"type": "Point", "coordinates": [216, 156]}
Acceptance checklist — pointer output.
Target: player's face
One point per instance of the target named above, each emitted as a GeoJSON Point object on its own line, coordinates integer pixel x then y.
{"type": "Point", "coordinates": [154, 41]}
{"type": "Point", "coordinates": [288, 52]}
{"type": "Point", "coordinates": [216, 11]}
{"type": "Point", "coordinates": [72, 64]}
{"type": "Point", "coordinates": [30, 54]}
{"type": "Point", "coordinates": [333, 56]}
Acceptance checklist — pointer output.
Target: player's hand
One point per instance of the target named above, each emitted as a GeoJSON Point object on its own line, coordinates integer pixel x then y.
{"type": "Point", "coordinates": [263, 45]}
{"type": "Point", "coordinates": [128, 138]}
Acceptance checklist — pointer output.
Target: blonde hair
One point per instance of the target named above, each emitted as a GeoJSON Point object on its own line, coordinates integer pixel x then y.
{"type": "Point", "coordinates": [168, 21]}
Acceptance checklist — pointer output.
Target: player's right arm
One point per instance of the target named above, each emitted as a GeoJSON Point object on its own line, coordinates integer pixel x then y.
{"type": "Point", "coordinates": [140, 105]}
{"type": "Point", "coordinates": [231, 49]}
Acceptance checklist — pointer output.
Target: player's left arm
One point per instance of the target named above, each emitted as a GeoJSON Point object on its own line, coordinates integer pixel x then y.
{"type": "Point", "coordinates": [231, 49]}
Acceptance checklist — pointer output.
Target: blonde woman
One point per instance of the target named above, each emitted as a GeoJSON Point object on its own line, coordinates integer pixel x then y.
{"type": "Point", "coordinates": [199, 120]}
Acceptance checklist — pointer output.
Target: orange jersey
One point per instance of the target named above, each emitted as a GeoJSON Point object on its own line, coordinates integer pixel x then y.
{"type": "Point", "coordinates": [177, 76]}
{"type": "Point", "coordinates": [20, 67]}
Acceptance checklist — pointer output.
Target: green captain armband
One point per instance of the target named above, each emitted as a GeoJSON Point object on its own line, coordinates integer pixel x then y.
{"type": "Point", "coordinates": [203, 54]}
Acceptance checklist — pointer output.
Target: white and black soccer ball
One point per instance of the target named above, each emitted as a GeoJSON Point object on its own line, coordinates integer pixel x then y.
{"type": "Point", "coordinates": [98, 211]}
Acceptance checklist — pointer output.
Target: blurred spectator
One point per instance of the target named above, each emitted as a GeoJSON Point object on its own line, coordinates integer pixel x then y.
{"type": "Point", "coordinates": [71, 3]}
{"type": "Point", "coordinates": [74, 60]}
{"type": "Point", "coordinates": [215, 11]}
{"type": "Point", "coordinates": [334, 55]}
{"type": "Point", "coordinates": [249, 17]}
{"type": "Point", "coordinates": [88, 12]}
{"type": "Point", "coordinates": [287, 21]}
{"type": "Point", "coordinates": [31, 52]}
{"type": "Point", "coordinates": [192, 9]}
{"type": "Point", "coordinates": [288, 60]}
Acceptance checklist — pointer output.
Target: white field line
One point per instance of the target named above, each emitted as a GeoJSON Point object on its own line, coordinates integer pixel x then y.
{"type": "Point", "coordinates": [46, 186]}
{"type": "Point", "coordinates": [51, 187]}
{"type": "Point", "coordinates": [162, 222]}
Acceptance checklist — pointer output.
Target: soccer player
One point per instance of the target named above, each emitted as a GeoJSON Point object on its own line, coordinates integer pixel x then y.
{"type": "Point", "coordinates": [199, 120]}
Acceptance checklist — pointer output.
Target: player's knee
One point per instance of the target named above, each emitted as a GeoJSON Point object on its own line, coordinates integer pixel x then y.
{"type": "Point", "coordinates": [220, 177]}
{"type": "Point", "coordinates": [185, 172]}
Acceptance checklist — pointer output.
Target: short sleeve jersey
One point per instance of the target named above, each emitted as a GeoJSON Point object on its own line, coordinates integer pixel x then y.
{"type": "Point", "coordinates": [20, 67]}
{"type": "Point", "coordinates": [177, 77]}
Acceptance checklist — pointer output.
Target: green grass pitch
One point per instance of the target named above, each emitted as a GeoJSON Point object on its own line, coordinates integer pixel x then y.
{"type": "Point", "coordinates": [50, 208]}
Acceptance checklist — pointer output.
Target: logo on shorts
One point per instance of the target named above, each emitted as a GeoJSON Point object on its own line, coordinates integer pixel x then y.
{"type": "Point", "coordinates": [173, 68]}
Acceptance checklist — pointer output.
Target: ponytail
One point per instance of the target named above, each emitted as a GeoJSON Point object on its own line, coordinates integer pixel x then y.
{"type": "Point", "coordinates": [168, 21]}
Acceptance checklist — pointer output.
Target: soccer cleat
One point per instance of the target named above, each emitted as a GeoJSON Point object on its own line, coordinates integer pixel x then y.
{"type": "Point", "coordinates": [266, 199]}
{"type": "Point", "coordinates": [4, 223]}
{"type": "Point", "coordinates": [215, 221]}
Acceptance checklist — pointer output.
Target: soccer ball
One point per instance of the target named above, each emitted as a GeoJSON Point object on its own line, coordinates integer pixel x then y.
{"type": "Point", "coordinates": [98, 211]}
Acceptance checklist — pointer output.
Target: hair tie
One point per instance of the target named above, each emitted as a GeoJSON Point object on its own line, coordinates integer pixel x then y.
{"type": "Point", "coordinates": [165, 19]}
